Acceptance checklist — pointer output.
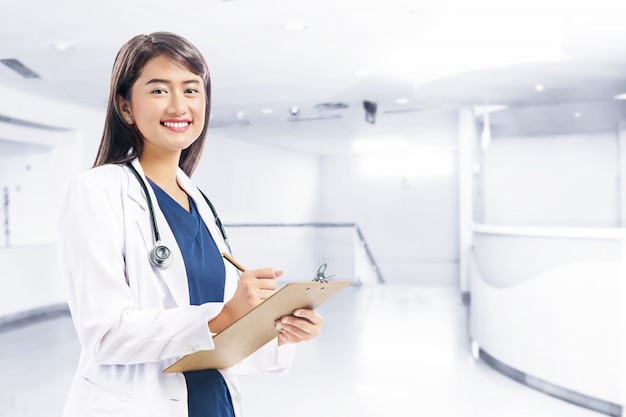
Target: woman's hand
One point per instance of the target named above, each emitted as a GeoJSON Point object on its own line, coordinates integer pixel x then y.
{"type": "Point", "coordinates": [254, 287]}
{"type": "Point", "coordinates": [303, 325]}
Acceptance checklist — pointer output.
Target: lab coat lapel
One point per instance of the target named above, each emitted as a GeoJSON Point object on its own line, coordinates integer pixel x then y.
{"type": "Point", "coordinates": [175, 276]}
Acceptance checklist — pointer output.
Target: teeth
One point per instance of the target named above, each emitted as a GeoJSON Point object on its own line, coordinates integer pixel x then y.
{"type": "Point", "coordinates": [176, 125]}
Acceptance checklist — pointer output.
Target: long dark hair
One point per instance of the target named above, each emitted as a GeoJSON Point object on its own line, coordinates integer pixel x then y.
{"type": "Point", "coordinates": [121, 141]}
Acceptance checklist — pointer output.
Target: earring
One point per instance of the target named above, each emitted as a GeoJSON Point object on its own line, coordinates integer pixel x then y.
{"type": "Point", "coordinates": [129, 118]}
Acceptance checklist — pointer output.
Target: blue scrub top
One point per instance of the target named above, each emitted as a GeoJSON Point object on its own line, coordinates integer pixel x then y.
{"type": "Point", "coordinates": [207, 392]}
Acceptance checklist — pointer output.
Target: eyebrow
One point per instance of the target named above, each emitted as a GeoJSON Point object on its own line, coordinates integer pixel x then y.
{"type": "Point", "coordinates": [160, 81]}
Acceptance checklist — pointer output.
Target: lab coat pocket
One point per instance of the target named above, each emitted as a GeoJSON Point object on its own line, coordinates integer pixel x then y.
{"type": "Point", "coordinates": [107, 400]}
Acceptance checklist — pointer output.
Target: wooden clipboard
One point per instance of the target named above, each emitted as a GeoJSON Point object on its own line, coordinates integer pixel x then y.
{"type": "Point", "coordinates": [256, 328]}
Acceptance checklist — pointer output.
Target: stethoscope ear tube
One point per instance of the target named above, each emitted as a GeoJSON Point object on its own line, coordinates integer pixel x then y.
{"type": "Point", "coordinates": [160, 256]}
{"type": "Point", "coordinates": [218, 222]}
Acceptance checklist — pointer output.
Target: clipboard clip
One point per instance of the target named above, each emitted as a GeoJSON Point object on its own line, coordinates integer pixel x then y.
{"type": "Point", "coordinates": [321, 276]}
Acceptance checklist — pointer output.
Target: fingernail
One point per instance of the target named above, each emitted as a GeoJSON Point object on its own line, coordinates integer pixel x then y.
{"type": "Point", "coordinates": [279, 326]}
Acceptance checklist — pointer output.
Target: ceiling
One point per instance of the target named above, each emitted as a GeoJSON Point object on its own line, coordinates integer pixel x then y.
{"type": "Point", "coordinates": [412, 58]}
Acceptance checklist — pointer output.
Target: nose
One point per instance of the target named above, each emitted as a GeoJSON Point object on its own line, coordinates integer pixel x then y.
{"type": "Point", "coordinates": [177, 105]}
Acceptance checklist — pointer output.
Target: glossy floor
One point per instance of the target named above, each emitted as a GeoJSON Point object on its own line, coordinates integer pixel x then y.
{"type": "Point", "coordinates": [385, 351]}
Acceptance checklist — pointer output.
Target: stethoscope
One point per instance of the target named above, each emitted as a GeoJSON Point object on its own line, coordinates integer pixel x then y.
{"type": "Point", "coordinates": [161, 256]}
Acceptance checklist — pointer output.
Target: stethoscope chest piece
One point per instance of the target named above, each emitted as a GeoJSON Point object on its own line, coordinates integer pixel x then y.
{"type": "Point", "coordinates": [161, 256]}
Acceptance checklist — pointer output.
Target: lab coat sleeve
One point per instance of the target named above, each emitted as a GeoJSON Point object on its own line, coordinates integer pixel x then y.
{"type": "Point", "coordinates": [112, 330]}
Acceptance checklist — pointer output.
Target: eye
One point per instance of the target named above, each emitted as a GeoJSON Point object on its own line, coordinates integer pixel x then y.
{"type": "Point", "coordinates": [158, 91]}
{"type": "Point", "coordinates": [191, 91]}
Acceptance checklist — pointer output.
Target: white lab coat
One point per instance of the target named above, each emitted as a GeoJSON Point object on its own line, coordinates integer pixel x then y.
{"type": "Point", "coordinates": [134, 320]}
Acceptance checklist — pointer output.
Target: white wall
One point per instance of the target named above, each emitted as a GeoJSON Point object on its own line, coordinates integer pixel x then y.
{"type": "Point", "coordinates": [29, 280]}
{"type": "Point", "coordinates": [31, 179]}
{"type": "Point", "coordinates": [34, 166]}
{"type": "Point", "coordinates": [410, 222]}
{"type": "Point", "coordinates": [250, 183]}
{"type": "Point", "coordinates": [36, 162]}
{"type": "Point", "coordinates": [566, 180]}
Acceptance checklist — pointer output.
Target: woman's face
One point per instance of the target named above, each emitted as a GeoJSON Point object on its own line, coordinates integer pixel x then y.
{"type": "Point", "coordinates": [167, 103]}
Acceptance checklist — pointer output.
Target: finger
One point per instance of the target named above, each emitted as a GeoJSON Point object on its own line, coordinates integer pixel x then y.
{"type": "Point", "coordinates": [285, 338]}
{"type": "Point", "coordinates": [309, 315]}
{"type": "Point", "coordinates": [260, 278]}
{"type": "Point", "coordinates": [266, 272]}
{"type": "Point", "coordinates": [305, 319]}
{"type": "Point", "coordinates": [300, 328]}
{"type": "Point", "coordinates": [294, 335]}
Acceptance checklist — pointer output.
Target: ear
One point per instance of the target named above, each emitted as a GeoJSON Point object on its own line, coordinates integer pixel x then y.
{"type": "Point", "coordinates": [124, 107]}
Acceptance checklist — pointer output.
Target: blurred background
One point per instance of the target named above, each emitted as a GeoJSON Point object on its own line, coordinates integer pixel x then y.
{"type": "Point", "coordinates": [463, 163]}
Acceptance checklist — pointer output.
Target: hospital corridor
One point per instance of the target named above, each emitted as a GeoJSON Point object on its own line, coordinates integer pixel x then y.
{"type": "Point", "coordinates": [313, 208]}
{"type": "Point", "coordinates": [386, 350]}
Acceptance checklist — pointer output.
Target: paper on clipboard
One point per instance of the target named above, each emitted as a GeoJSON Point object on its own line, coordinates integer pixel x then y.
{"type": "Point", "coordinates": [256, 328]}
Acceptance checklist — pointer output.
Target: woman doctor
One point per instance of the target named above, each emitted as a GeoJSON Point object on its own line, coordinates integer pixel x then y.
{"type": "Point", "coordinates": [133, 316]}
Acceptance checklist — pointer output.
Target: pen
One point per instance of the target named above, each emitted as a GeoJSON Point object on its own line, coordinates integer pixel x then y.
{"type": "Point", "coordinates": [234, 262]}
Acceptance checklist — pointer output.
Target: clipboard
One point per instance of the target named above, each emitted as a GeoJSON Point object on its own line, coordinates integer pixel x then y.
{"type": "Point", "coordinates": [256, 328]}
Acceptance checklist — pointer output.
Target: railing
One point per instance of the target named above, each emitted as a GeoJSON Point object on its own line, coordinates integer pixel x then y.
{"type": "Point", "coordinates": [298, 247]}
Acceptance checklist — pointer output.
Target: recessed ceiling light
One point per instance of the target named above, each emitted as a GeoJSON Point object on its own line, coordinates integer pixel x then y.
{"type": "Point", "coordinates": [294, 26]}
{"type": "Point", "coordinates": [402, 100]}
{"type": "Point", "coordinates": [376, 146]}
{"type": "Point", "coordinates": [578, 115]}
{"type": "Point", "coordinates": [620, 96]}
{"type": "Point", "coordinates": [267, 110]}
{"type": "Point", "coordinates": [539, 87]}
{"type": "Point", "coordinates": [62, 46]}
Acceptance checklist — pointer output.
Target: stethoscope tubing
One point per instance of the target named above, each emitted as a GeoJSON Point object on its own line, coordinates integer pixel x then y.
{"type": "Point", "coordinates": [160, 256]}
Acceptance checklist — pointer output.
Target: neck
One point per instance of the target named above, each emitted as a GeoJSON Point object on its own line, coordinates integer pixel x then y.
{"type": "Point", "coordinates": [161, 169]}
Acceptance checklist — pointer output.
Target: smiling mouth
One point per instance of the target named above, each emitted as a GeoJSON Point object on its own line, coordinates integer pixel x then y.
{"type": "Point", "coordinates": [176, 125]}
